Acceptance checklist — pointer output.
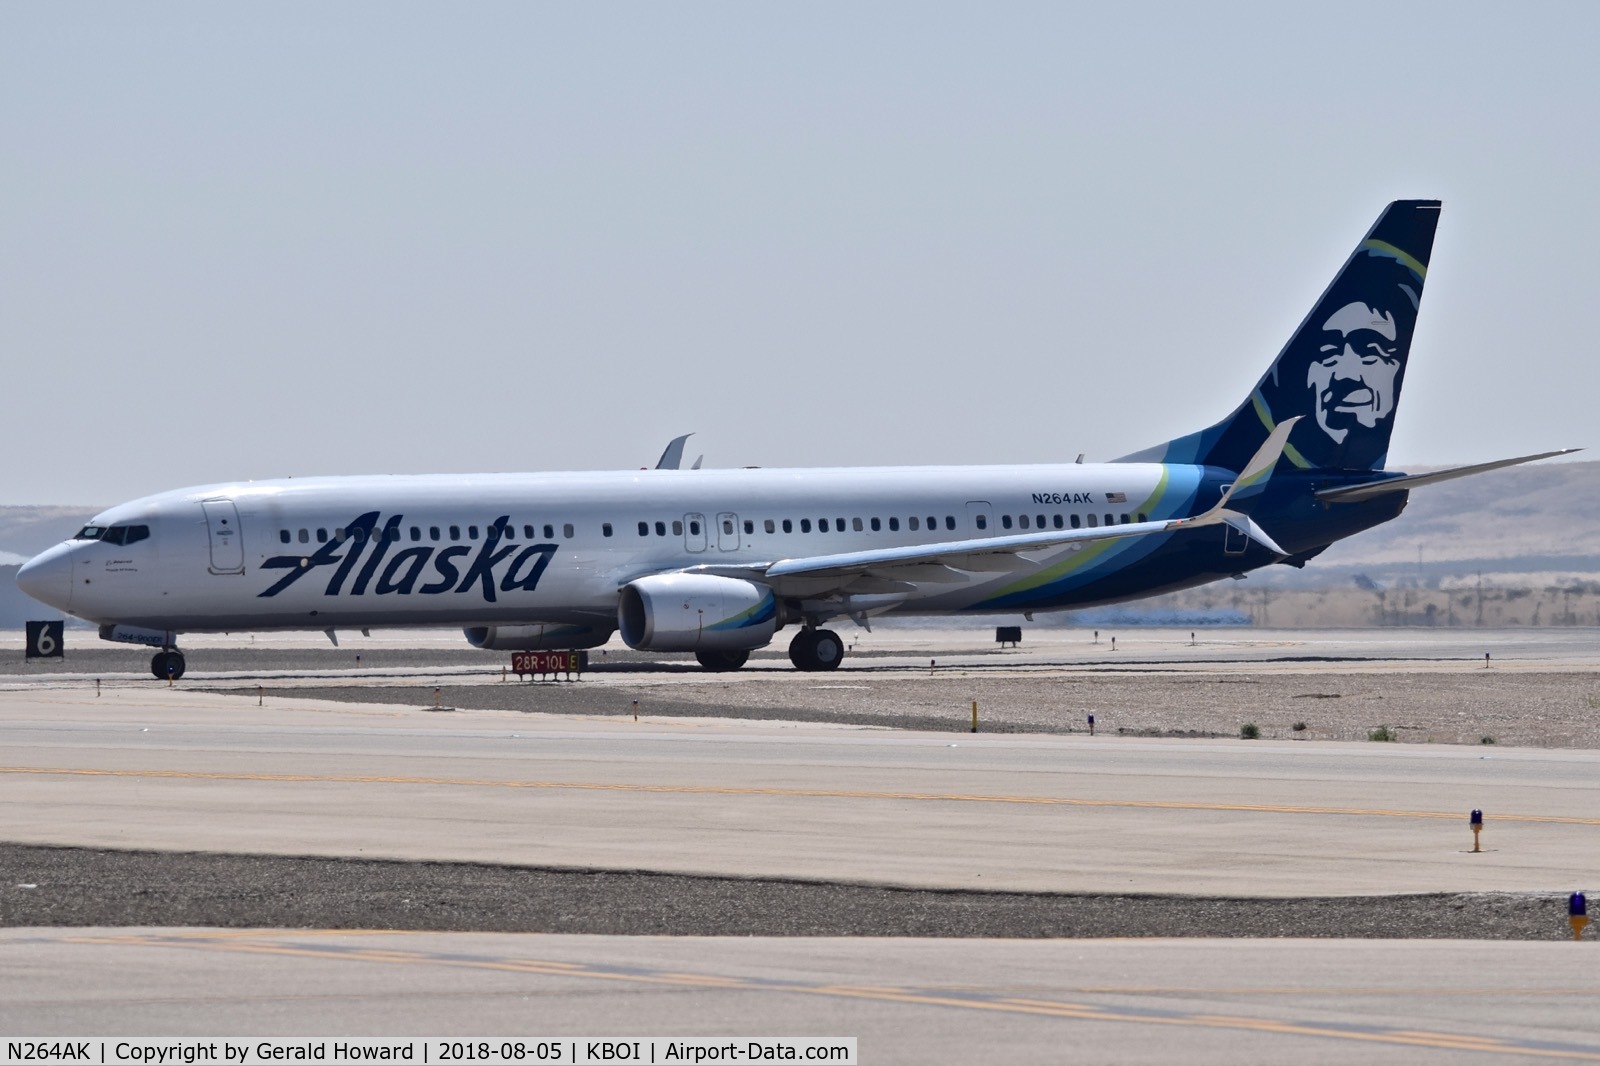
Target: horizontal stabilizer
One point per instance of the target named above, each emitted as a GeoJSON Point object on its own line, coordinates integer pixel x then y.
{"type": "Point", "coordinates": [1369, 489]}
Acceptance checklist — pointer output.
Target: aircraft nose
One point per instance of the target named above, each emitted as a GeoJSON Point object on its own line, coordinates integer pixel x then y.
{"type": "Point", "coordinates": [47, 577]}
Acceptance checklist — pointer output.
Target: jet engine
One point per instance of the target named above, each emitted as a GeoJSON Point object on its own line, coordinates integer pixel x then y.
{"type": "Point", "coordinates": [552, 637]}
{"type": "Point", "coordinates": [696, 612]}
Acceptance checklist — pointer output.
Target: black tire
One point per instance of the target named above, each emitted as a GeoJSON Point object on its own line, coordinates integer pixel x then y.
{"type": "Point", "coordinates": [718, 661]}
{"type": "Point", "coordinates": [828, 650]}
{"type": "Point", "coordinates": [801, 649]}
{"type": "Point", "coordinates": [167, 663]}
{"type": "Point", "coordinates": [816, 649]}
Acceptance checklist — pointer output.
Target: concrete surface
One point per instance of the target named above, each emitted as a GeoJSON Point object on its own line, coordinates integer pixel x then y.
{"type": "Point", "coordinates": [179, 770]}
{"type": "Point", "coordinates": [907, 1001]}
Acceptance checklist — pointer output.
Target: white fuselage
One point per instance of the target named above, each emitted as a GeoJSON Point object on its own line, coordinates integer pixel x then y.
{"type": "Point", "coordinates": [504, 549]}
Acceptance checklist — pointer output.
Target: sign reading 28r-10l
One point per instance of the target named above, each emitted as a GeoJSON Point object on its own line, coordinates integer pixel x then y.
{"type": "Point", "coordinates": [496, 566]}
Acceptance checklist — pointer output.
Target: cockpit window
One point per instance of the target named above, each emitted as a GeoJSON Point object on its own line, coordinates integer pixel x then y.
{"type": "Point", "coordinates": [114, 534]}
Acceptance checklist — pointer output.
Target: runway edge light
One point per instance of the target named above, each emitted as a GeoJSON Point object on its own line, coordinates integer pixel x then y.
{"type": "Point", "coordinates": [1477, 827]}
{"type": "Point", "coordinates": [1577, 914]}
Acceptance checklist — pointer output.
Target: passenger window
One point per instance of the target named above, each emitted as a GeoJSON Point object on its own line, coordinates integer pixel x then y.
{"type": "Point", "coordinates": [933, 523]}
{"type": "Point", "coordinates": [769, 526]}
{"type": "Point", "coordinates": [472, 532]}
{"type": "Point", "coordinates": [1022, 520]}
{"type": "Point", "coordinates": [694, 529]}
{"type": "Point", "coordinates": [1111, 520]}
{"type": "Point", "coordinates": [749, 526]}
{"type": "Point", "coordinates": [661, 529]}
{"type": "Point", "coordinates": [788, 526]}
{"type": "Point", "coordinates": [566, 530]}
{"type": "Point", "coordinates": [855, 524]}
{"type": "Point", "coordinates": [982, 521]}
{"type": "Point", "coordinates": [727, 527]}
{"type": "Point", "coordinates": [644, 529]}
{"type": "Point", "coordinates": [359, 534]}
{"type": "Point", "coordinates": [1126, 519]}
{"type": "Point", "coordinates": [838, 523]}
{"type": "Point", "coordinates": [949, 521]}
{"type": "Point", "coordinates": [433, 532]}
{"type": "Point", "coordinates": [338, 533]}
{"type": "Point", "coordinates": [416, 534]}
{"type": "Point", "coordinates": [303, 536]}
{"type": "Point", "coordinates": [1058, 522]}
{"type": "Point", "coordinates": [605, 529]}
{"type": "Point", "coordinates": [283, 535]}
{"type": "Point", "coordinates": [1040, 522]}
{"type": "Point", "coordinates": [894, 525]}
{"type": "Point", "coordinates": [1143, 517]}
{"type": "Point", "coordinates": [805, 525]}
{"type": "Point", "coordinates": [913, 522]}
{"type": "Point", "coordinates": [455, 532]}
{"type": "Point", "coordinates": [677, 528]}
{"type": "Point", "coordinates": [322, 536]}
{"type": "Point", "coordinates": [1005, 521]}
{"type": "Point", "coordinates": [527, 531]}
{"type": "Point", "coordinates": [1093, 521]}
{"type": "Point", "coordinates": [822, 525]}
{"type": "Point", "coordinates": [876, 525]}
{"type": "Point", "coordinates": [549, 532]}
{"type": "Point", "coordinates": [1075, 522]}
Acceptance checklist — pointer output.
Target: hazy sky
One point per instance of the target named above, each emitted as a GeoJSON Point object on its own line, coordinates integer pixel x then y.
{"type": "Point", "coordinates": [245, 241]}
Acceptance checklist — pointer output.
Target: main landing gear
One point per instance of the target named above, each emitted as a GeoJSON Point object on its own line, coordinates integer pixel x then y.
{"type": "Point", "coordinates": [167, 665]}
{"type": "Point", "coordinates": [722, 660]}
{"type": "Point", "coordinates": [816, 649]}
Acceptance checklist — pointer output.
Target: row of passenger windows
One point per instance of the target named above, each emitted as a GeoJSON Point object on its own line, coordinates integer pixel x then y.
{"type": "Point", "coordinates": [914, 523]}
{"type": "Point", "coordinates": [433, 533]}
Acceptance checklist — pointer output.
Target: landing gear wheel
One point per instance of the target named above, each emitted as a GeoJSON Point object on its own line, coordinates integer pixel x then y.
{"type": "Point", "coordinates": [165, 664]}
{"type": "Point", "coordinates": [816, 649]}
{"type": "Point", "coordinates": [722, 660]}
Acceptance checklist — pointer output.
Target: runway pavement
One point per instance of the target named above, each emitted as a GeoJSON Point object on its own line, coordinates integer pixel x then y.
{"type": "Point", "coordinates": [181, 770]}
{"type": "Point", "coordinates": [142, 766]}
{"type": "Point", "coordinates": [906, 1001]}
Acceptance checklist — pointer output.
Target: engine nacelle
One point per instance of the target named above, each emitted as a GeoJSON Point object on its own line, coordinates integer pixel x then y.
{"type": "Point", "coordinates": [552, 637]}
{"type": "Point", "coordinates": [696, 612]}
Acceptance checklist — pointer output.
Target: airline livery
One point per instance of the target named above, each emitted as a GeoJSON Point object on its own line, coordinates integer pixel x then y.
{"type": "Point", "coordinates": [716, 562]}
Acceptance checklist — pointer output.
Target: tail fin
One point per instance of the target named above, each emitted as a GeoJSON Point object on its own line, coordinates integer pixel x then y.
{"type": "Point", "coordinates": [1343, 367]}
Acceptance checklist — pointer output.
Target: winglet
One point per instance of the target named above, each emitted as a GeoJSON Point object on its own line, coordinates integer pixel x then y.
{"type": "Point", "coordinates": [672, 458]}
{"type": "Point", "coordinates": [1258, 471]}
{"type": "Point", "coordinates": [1250, 482]}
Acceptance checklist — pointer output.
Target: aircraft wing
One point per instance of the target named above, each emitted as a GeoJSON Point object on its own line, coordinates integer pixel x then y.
{"type": "Point", "coordinates": [1369, 489]}
{"type": "Point", "coordinates": [886, 570]}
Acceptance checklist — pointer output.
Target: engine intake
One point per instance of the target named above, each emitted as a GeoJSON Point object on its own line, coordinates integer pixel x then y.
{"type": "Point", "coordinates": [696, 612]}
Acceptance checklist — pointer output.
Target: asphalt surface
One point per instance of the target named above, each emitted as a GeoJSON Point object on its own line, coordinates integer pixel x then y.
{"type": "Point", "coordinates": [67, 887]}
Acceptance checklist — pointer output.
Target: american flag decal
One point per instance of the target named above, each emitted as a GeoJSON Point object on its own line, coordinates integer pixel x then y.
{"type": "Point", "coordinates": [1116, 497]}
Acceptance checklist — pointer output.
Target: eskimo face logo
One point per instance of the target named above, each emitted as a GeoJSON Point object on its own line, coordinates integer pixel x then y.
{"type": "Point", "coordinates": [1353, 375]}
{"type": "Point", "coordinates": [499, 565]}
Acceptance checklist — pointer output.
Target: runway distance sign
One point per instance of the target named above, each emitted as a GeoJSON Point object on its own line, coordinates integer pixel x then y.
{"type": "Point", "coordinates": [46, 640]}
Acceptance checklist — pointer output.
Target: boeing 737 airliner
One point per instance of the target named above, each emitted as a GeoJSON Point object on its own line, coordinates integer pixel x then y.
{"type": "Point", "coordinates": [716, 562]}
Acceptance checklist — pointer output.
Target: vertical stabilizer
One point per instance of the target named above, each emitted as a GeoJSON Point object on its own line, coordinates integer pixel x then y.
{"type": "Point", "coordinates": [1342, 369]}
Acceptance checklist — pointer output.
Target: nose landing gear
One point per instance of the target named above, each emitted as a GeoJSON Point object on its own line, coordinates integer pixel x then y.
{"type": "Point", "coordinates": [167, 665]}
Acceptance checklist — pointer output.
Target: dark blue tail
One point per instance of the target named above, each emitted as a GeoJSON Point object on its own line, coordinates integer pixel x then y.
{"type": "Point", "coordinates": [1343, 367]}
